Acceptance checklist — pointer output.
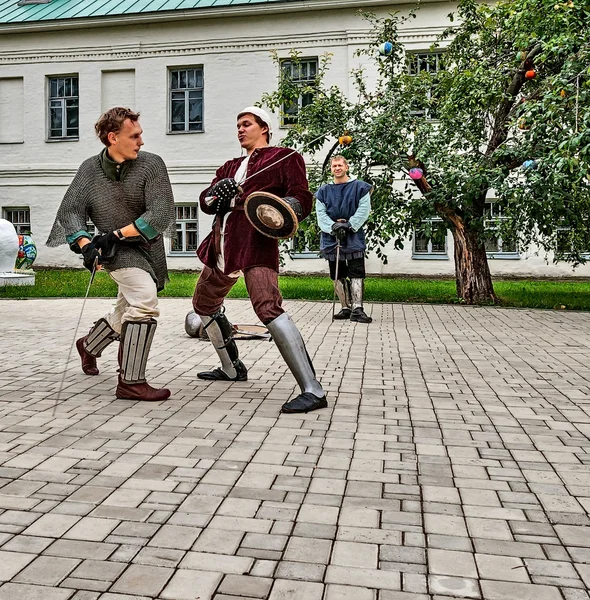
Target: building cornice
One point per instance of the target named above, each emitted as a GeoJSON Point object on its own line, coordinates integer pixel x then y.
{"type": "Point", "coordinates": [23, 175]}
{"type": "Point", "coordinates": [241, 10]}
{"type": "Point", "coordinates": [357, 37]}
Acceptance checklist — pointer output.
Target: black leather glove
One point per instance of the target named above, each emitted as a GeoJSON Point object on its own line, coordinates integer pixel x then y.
{"type": "Point", "coordinates": [221, 194]}
{"type": "Point", "coordinates": [89, 256]}
{"type": "Point", "coordinates": [295, 205]}
{"type": "Point", "coordinates": [341, 229]}
{"type": "Point", "coordinates": [107, 244]}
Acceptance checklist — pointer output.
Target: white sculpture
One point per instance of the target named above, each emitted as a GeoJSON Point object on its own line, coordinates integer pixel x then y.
{"type": "Point", "coordinates": [8, 253]}
{"type": "Point", "coordinates": [8, 246]}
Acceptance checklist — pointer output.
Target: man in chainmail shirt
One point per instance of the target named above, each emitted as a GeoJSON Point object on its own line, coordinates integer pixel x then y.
{"type": "Point", "coordinates": [128, 197]}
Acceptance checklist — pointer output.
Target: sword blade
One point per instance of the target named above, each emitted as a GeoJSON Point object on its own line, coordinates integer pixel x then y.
{"type": "Point", "coordinates": [63, 378]}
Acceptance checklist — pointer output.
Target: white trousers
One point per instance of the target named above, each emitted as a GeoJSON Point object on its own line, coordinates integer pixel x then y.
{"type": "Point", "coordinates": [137, 299]}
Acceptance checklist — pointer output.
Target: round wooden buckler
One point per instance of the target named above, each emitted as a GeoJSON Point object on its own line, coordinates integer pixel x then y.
{"type": "Point", "coordinates": [271, 215]}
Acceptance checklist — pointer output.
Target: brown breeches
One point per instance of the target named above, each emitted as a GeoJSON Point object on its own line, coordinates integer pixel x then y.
{"type": "Point", "coordinates": [262, 284]}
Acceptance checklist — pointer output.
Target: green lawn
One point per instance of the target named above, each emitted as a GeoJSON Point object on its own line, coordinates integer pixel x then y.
{"type": "Point", "coordinates": [570, 295]}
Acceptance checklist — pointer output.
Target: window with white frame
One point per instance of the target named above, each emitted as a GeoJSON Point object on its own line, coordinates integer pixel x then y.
{"type": "Point", "coordinates": [425, 62]}
{"type": "Point", "coordinates": [430, 240]}
{"type": "Point", "coordinates": [63, 108]}
{"type": "Point", "coordinates": [496, 245]}
{"type": "Point", "coordinates": [303, 73]}
{"type": "Point", "coordinates": [565, 244]}
{"type": "Point", "coordinates": [187, 229]}
{"type": "Point", "coordinates": [20, 218]}
{"type": "Point", "coordinates": [186, 100]}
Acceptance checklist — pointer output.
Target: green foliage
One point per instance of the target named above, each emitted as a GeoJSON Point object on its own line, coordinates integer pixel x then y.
{"type": "Point", "coordinates": [489, 120]}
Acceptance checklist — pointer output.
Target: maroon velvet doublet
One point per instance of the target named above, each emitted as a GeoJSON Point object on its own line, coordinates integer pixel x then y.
{"type": "Point", "coordinates": [244, 247]}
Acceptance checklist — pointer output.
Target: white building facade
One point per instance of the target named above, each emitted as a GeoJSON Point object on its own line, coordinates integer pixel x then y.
{"type": "Point", "coordinates": [188, 72]}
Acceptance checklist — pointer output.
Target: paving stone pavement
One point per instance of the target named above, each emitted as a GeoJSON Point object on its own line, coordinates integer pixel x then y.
{"type": "Point", "coordinates": [453, 461]}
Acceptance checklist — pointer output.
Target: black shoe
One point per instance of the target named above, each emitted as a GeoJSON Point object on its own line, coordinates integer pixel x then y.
{"type": "Point", "coordinates": [304, 403]}
{"type": "Point", "coordinates": [219, 375]}
{"type": "Point", "coordinates": [343, 314]}
{"type": "Point", "coordinates": [359, 315]}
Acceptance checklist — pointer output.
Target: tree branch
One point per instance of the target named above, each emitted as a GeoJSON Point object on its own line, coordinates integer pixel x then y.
{"type": "Point", "coordinates": [500, 131]}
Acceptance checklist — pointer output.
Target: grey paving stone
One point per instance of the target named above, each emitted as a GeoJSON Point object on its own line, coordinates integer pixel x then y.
{"type": "Point", "coordinates": [143, 580]}
{"type": "Point", "coordinates": [239, 585]}
{"type": "Point", "coordinates": [295, 590]}
{"type": "Point", "coordinates": [47, 570]}
{"type": "Point", "coordinates": [502, 590]}
{"type": "Point", "coordinates": [503, 568]}
{"type": "Point", "coordinates": [449, 562]}
{"type": "Point", "coordinates": [13, 562]}
{"type": "Point", "coordinates": [11, 591]}
{"type": "Point", "coordinates": [221, 563]}
{"type": "Point", "coordinates": [101, 570]}
{"type": "Point", "coordinates": [461, 587]}
{"type": "Point", "coordinates": [299, 570]}
{"type": "Point", "coordinates": [308, 550]}
{"type": "Point", "coordinates": [190, 584]}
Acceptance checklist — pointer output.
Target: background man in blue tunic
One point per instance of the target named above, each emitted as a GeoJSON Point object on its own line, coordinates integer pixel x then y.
{"type": "Point", "coordinates": [342, 208]}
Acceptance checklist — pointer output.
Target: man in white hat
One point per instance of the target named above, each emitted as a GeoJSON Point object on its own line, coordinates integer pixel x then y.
{"type": "Point", "coordinates": [235, 248]}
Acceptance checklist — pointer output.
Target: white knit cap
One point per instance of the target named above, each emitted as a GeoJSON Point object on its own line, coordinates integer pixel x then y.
{"type": "Point", "coordinates": [260, 113]}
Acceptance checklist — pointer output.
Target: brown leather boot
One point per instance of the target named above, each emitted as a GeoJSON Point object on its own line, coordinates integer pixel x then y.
{"type": "Point", "coordinates": [89, 365]}
{"type": "Point", "coordinates": [141, 391]}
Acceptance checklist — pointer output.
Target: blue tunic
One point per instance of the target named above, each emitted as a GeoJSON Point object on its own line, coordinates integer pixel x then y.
{"type": "Point", "coordinates": [341, 201]}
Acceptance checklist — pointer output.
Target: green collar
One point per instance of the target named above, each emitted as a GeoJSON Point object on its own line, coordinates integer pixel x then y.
{"type": "Point", "coordinates": [113, 170]}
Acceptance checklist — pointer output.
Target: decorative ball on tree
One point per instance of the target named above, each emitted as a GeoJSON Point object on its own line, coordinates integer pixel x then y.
{"type": "Point", "coordinates": [345, 140]}
{"type": "Point", "coordinates": [529, 164]}
{"type": "Point", "coordinates": [416, 173]}
{"type": "Point", "coordinates": [386, 49]}
{"type": "Point", "coordinates": [530, 74]}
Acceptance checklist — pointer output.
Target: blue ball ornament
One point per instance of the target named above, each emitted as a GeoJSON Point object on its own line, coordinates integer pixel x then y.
{"type": "Point", "coordinates": [386, 49]}
{"type": "Point", "coordinates": [529, 164]}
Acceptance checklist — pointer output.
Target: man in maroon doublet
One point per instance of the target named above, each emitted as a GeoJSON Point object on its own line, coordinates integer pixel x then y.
{"type": "Point", "coordinates": [235, 248]}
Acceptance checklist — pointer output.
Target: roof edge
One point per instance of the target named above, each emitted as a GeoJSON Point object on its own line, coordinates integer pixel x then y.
{"type": "Point", "coordinates": [193, 14]}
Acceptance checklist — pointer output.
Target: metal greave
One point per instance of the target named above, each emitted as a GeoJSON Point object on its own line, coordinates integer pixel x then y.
{"type": "Point", "coordinates": [342, 288]}
{"type": "Point", "coordinates": [292, 348]}
{"type": "Point", "coordinates": [357, 289]}
{"type": "Point", "coordinates": [136, 341]}
{"type": "Point", "coordinates": [99, 337]}
{"type": "Point", "coordinates": [220, 333]}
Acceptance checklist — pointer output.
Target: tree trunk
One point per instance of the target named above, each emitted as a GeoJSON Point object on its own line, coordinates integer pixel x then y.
{"type": "Point", "coordinates": [474, 281]}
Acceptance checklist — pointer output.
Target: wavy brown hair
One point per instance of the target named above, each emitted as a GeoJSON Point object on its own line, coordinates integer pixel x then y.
{"type": "Point", "coordinates": [112, 120]}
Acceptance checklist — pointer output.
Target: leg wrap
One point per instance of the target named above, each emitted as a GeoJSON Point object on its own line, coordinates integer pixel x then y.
{"type": "Point", "coordinates": [100, 336]}
{"type": "Point", "coordinates": [220, 332]}
{"type": "Point", "coordinates": [136, 341]}
{"type": "Point", "coordinates": [292, 348]}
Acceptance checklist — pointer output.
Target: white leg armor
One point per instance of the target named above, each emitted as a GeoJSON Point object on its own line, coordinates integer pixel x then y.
{"type": "Point", "coordinates": [292, 348]}
{"type": "Point", "coordinates": [357, 287]}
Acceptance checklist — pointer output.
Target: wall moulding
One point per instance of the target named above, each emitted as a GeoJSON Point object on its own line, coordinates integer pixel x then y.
{"type": "Point", "coordinates": [15, 175]}
{"type": "Point", "coordinates": [356, 37]}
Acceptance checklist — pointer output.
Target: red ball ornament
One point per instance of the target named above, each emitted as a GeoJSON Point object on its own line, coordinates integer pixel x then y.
{"type": "Point", "coordinates": [531, 74]}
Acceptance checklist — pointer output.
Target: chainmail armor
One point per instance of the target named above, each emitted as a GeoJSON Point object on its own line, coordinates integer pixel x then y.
{"type": "Point", "coordinates": [145, 192]}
